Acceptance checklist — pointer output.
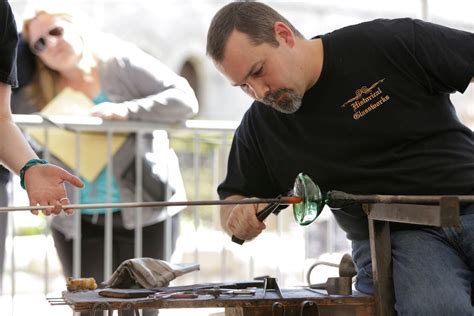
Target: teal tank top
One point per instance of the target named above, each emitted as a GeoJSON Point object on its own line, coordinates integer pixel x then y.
{"type": "Point", "coordinates": [96, 192]}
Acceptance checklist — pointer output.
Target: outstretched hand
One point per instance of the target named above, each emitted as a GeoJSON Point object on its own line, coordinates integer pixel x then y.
{"type": "Point", "coordinates": [45, 186]}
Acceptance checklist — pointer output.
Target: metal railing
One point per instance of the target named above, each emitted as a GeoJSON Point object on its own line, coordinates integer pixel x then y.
{"type": "Point", "coordinates": [198, 169]}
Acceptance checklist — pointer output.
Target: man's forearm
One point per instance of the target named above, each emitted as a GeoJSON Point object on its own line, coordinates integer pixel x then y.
{"type": "Point", "coordinates": [14, 149]}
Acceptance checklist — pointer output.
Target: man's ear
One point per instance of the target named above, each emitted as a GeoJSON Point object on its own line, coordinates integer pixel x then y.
{"type": "Point", "coordinates": [284, 33]}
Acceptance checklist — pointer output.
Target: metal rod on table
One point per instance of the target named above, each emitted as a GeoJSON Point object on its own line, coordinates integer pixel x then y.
{"type": "Point", "coordinates": [339, 196]}
{"type": "Point", "coordinates": [281, 200]}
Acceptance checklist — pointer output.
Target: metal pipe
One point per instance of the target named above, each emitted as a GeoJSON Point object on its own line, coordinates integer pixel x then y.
{"type": "Point", "coordinates": [282, 200]}
{"type": "Point", "coordinates": [108, 229]}
{"type": "Point", "coordinates": [196, 181]}
{"type": "Point", "coordinates": [77, 240]}
{"type": "Point", "coordinates": [138, 242]}
{"type": "Point", "coordinates": [338, 196]}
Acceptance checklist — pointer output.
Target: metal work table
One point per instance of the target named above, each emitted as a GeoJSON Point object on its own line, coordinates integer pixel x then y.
{"type": "Point", "coordinates": [295, 301]}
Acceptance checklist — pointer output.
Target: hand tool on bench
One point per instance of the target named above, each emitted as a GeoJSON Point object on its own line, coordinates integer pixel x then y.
{"type": "Point", "coordinates": [341, 285]}
{"type": "Point", "coordinates": [270, 284]}
{"type": "Point", "coordinates": [173, 295]}
{"type": "Point", "coordinates": [137, 293]}
{"type": "Point", "coordinates": [216, 292]}
{"type": "Point", "coordinates": [126, 293]}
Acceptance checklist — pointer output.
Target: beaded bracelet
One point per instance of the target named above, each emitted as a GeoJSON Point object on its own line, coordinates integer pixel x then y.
{"type": "Point", "coordinates": [29, 164]}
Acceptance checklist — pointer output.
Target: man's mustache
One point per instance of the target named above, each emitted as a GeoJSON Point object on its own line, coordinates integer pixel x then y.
{"type": "Point", "coordinates": [272, 96]}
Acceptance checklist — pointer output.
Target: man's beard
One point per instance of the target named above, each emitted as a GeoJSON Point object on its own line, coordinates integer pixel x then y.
{"type": "Point", "coordinates": [283, 100]}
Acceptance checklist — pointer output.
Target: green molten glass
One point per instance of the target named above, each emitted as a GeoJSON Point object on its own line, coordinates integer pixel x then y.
{"type": "Point", "coordinates": [312, 202]}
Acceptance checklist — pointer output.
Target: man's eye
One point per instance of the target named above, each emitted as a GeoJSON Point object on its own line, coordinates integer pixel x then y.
{"type": "Point", "coordinates": [258, 72]}
{"type": "Point", "coordinates": [245, 87]}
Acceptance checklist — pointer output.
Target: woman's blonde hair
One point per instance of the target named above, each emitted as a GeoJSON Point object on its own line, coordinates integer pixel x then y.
{"type": "Point", "coordinates": [45, 83]}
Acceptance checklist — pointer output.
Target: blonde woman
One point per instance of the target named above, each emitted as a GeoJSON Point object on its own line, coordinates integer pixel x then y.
{"type": "Point", "coordinates": [125, 83]}
{"type": "Point", "coordinates": [43, 182]}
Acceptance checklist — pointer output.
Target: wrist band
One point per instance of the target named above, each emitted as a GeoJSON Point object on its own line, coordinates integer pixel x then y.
{"type": "Point", "coordinates": [29, 164]}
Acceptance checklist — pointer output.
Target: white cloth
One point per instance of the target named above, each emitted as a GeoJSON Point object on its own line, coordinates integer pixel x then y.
{"type": "Point", "coordinates": [148, 273]}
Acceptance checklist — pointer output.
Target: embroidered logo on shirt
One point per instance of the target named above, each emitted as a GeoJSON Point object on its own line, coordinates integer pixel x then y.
{"type": "Point", "coordinates": [367, 100]}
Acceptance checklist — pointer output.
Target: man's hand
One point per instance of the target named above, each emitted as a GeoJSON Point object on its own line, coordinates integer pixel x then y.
{"type": "Point", "coordinates": [242, 221]}
{"type": "Point", "coordinates": [110, 111]}
{"type": "Point", "coordinates": [45, 186]}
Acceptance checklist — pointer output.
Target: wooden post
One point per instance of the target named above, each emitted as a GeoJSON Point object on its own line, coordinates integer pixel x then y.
{"type": "Point", "coordinates": [381, 254]}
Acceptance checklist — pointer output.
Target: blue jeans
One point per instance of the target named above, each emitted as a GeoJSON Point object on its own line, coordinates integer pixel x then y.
{"type": "Point", "coordinates": [433, 269]}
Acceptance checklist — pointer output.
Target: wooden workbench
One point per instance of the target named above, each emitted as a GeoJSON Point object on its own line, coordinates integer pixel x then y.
{"type": "Point", "coordinates": [292, 303]}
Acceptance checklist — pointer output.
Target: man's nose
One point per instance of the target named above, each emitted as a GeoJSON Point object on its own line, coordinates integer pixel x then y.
{"type": "Point", "coordinates": [259, 89]}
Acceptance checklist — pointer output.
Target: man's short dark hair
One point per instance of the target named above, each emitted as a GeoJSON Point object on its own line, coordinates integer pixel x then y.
{"type": "Point", "coordinates": [254, 19]}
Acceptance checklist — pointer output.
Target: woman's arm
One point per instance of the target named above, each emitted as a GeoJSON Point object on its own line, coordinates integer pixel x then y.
{"type": "Point", "coordinates": [156, 93]}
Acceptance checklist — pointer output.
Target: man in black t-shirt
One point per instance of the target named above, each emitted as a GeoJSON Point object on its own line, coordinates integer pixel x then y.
{"type": "Point", "coordinates": [364, 109]}
{"type": "Point", "coordinates": [25, 72]}
{"type": "Point", "coordinates": [43, 182]}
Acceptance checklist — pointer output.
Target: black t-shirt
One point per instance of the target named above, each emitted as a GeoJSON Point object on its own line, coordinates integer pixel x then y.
{"type": "Point", "coordinates": [378, 121]}
{"type": "Point", "coordinates": [8, 45]}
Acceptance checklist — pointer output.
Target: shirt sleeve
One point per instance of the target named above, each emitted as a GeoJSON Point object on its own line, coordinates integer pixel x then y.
{"type": "Point", "coordinates": [246, 171]}
{"type": "Point", "coordinates": [446, 54]}
{"type": "Point", "coordinates": [8, 45]}
{"type": "Point", "coordinates": [234, 182]}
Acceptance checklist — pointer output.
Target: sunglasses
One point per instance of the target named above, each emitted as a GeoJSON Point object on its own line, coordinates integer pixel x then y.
{"type": "Point", "coordinates": [40, 45]}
